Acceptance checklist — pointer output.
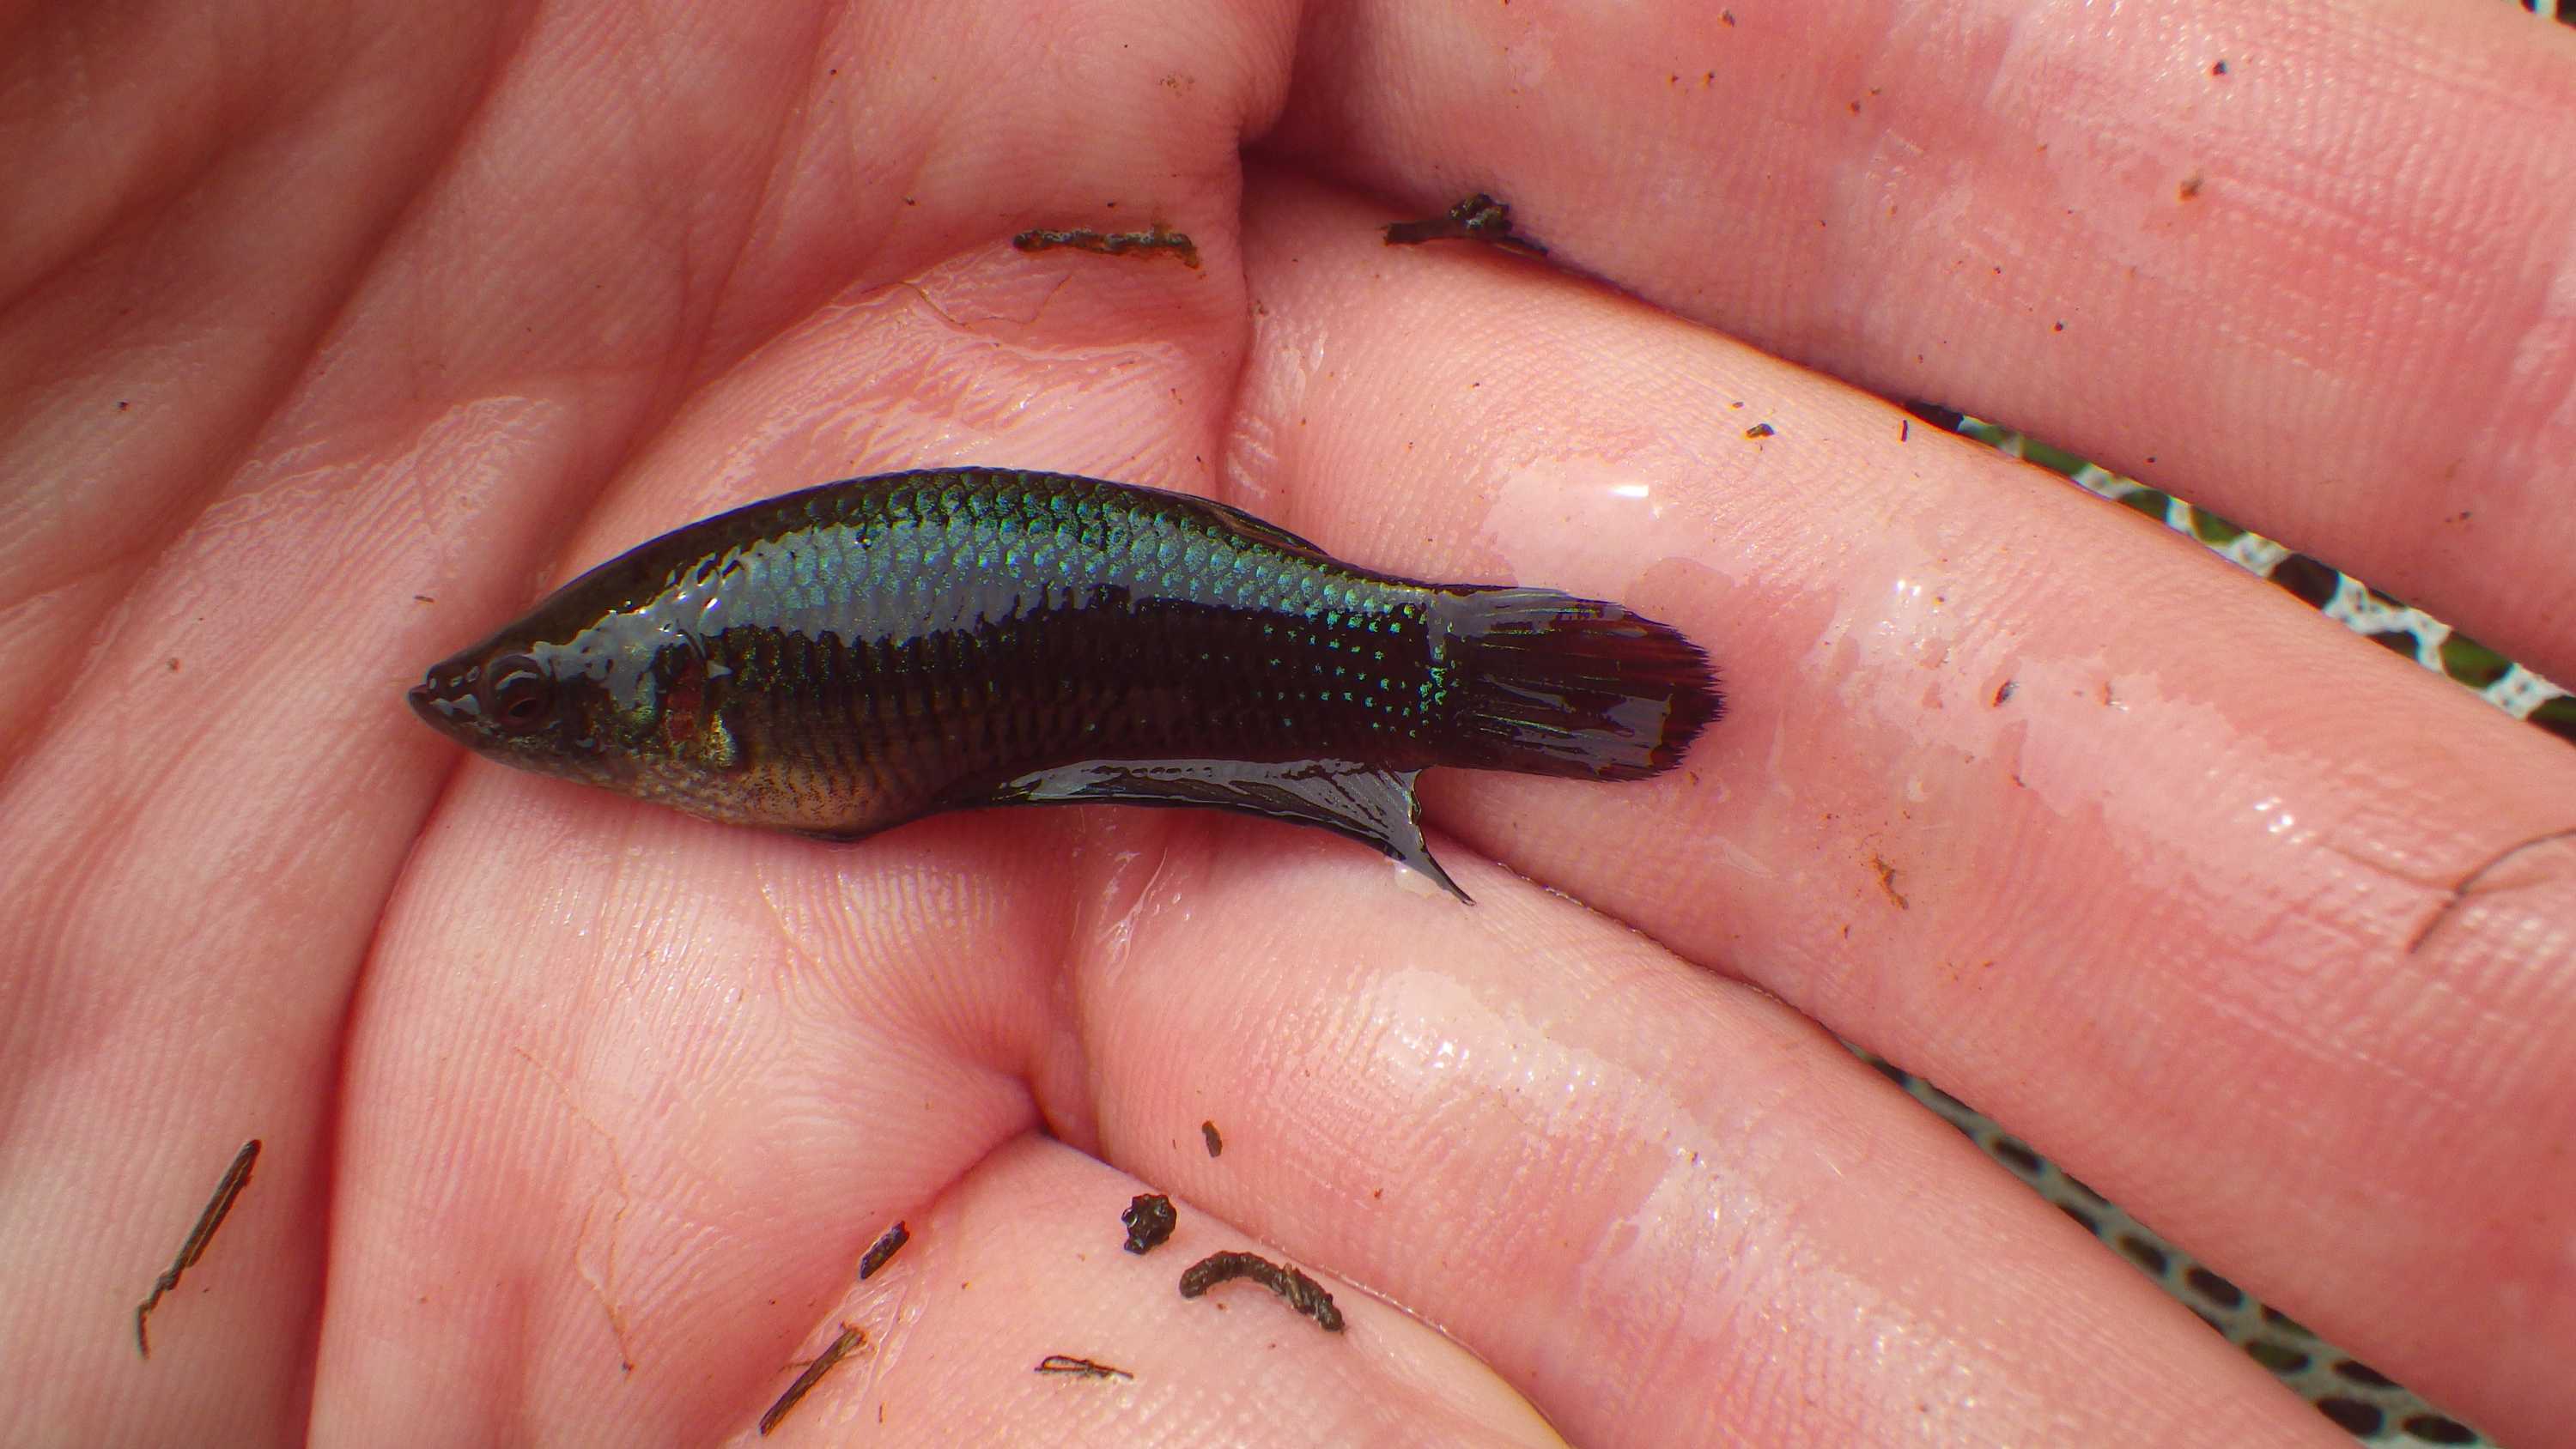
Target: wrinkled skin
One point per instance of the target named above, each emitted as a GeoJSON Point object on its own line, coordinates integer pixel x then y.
{"type": "Point", "coordinates": [333, 336]}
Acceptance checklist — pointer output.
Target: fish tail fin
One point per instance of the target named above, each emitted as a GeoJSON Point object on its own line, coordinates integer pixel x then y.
{"type": "Point", "coordinates": [1549, 684]}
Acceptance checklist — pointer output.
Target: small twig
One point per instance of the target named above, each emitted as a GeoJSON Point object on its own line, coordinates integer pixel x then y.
{"type": "Point", "coordinates": [236, 1177]}
{"type": "Point", "coordinates": [1478, 218]}
{"type": "Point", "coordinates": [1064, 1363]}
{"type": "Point", "coordinates": [850, 1340]}
{"type": "Point", "coordinates": [1158, 238]}
{"type": "Point", "coordinates": [883, 1249]}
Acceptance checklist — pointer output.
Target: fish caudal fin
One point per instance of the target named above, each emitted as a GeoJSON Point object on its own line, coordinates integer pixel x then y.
{"type": "Point", "coordinates": [1549, 684]}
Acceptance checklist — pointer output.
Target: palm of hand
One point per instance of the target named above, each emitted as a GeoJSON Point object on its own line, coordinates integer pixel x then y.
{"type": "Point", "coordinates": [589, 1108]}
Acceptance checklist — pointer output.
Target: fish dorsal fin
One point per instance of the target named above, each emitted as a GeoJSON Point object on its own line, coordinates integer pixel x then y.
{"type": "Point", "coordinates": [1374, 807]}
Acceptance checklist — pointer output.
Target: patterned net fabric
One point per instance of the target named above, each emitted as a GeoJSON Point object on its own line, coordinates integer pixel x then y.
{"type": "Point", "coordinates": [2375, 1409]}
{"type": "Point", "coordinates": [2346, 600]}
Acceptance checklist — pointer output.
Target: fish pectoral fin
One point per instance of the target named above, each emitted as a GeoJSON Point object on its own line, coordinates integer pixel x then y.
{"type": "Point", "coordinates": [1375, 807]}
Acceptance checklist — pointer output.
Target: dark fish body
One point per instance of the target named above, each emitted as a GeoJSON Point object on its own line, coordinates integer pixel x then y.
{"type": "Point", "coordinates": [849, 657]}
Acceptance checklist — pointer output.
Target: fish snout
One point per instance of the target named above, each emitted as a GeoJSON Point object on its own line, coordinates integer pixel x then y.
{"type": "Point", "coordinates": [446, 698]}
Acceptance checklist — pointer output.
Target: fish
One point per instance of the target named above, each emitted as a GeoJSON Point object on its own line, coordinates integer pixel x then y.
{"type": "Point", "coordinates": [853, 656]}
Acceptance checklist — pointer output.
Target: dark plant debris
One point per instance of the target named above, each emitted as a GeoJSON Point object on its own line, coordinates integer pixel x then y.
{"type": "Point", "coordinates": [1150, 1220]}
{"type": "Point", "coordinates": [882, 1251]}
{"type": "Point", "coordinates": [235, 1178]}
{"type": "Point", "coordinates": [1478, 218]}
{"type": "Point", "coordinates": [851, 1340]}
{"type": "Point", "coordinates": [1155, 239]}
{"type": "Point", "coordinates": [1068, 1365]}
{"type": "Point", "coordinates": [2461, 893]}
{"type": "Point", "coordinates": [1303, 1293]}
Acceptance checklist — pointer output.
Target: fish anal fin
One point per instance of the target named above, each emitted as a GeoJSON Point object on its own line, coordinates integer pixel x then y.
{"type": "Point", "coordinates": [1375, 807]}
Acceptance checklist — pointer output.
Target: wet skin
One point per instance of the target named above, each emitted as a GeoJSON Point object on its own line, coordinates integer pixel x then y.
{"type": "Point", "coordinates": [338, 338]}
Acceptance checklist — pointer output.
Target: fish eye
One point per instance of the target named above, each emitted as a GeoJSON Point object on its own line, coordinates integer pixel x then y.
{"type": "Point", "coordinates": [518, 694]}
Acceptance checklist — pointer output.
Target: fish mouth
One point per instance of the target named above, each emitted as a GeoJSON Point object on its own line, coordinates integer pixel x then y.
{"type": "Point", "coordinates": [445, 698]}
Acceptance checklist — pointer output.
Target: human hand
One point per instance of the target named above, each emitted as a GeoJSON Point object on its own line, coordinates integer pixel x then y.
{"type": "Point", "coordinates": [339, 337]}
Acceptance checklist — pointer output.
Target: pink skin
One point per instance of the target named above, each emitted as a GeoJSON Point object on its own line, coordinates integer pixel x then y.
{"type": "Point", "coordinates": [578, 1113]}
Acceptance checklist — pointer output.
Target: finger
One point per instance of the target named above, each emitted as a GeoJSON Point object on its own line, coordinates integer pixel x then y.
{"type": "Point", "coordinates": [850, 999]}
{"type": "Point", "coordinates": [629, 1093]}
{"type": "Point", "coordinates": [229, 554]}
{"type": "Point", "coordinates": [220, 563]}
{"type": "Point", "coordinates": [1023, 1262]}
{"type": "Point", "coordinates": [2323, 320]}
{"type": "Point", "coordinates": [202, 816]}
{"type": "Point", "coordinates": [195, 197]}
{"type": "Point", "coordinates": [1662, 1206]}
{"type": "Point", "coordinates": [2092, 872]}
{"type": "Point", "coordinates": [896, 372]}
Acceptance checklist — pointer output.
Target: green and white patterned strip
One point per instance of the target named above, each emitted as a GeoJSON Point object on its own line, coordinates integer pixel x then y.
{"type": "Point", "coordinates": [2410, 631]}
